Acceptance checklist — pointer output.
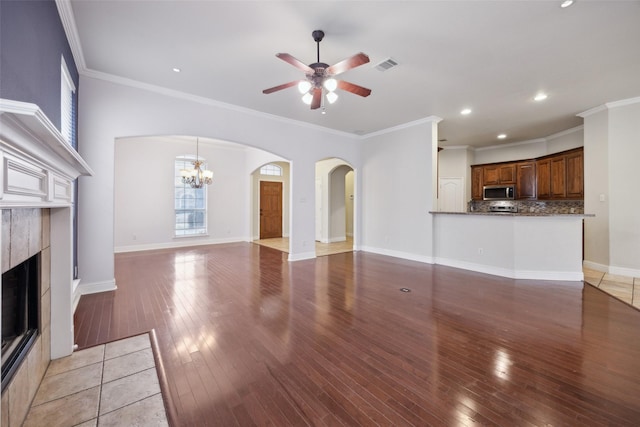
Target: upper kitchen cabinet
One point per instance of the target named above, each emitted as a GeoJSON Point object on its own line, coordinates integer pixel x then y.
{"type": "Point", "coordinates": [557, 176]}
{"type": "Point", "coordinates": [575, 174]}
{"type": "Point", "coordinates": [560, 176]}
{"type": "Point", "coordinates": [526, 180]}
{"type": "Point", "coordinates": [476, 182]}
{"type": "Point", "coordinates": [499, 174]}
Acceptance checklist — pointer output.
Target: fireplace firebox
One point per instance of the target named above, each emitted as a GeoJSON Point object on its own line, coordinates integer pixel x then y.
{"type": "Point", "coordinates": [20, 314]}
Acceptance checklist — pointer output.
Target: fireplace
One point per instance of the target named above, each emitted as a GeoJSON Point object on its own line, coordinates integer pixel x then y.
{"type": "Point", "coordinates": [36, 202]}
{"type": "Point", "coordinates": [20, 314]}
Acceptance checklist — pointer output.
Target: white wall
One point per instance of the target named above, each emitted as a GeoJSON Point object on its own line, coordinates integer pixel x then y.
{"type": "Point", "coordinates": [612, 148]}
{"type": "Point", "coordinates": [596, 184]}
{"type": "Point", "coordinates": [348, 202]}
{"type": "Point", "coordinates": [567, 140]}
{"type": "Point", "coordinates": [398, 191]}
{"type": "Point", "coordinates": [624, 194]}
{"type": "Point", "coordinates": [337, 205]}
{"type": "Point", "coordinates": [561, 141]}
{"type": "Point", "coordinates": [112, 110]}
{"type": "Point", "coordinates": [144, 196]}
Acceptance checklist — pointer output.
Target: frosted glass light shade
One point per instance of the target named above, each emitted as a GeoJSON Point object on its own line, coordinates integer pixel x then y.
{"type": "Point", "coordinates": [332, 97]}
{"type": "Point", "coordinates": [307, 98]}
{"type": "Point", "coordinates": [330, 84]}
{"type": "Point", "coordinates": [304, 86]}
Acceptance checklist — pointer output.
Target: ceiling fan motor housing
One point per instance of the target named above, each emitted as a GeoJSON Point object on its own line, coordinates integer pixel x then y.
{"type": "Point", "coordinates": [319, 73]}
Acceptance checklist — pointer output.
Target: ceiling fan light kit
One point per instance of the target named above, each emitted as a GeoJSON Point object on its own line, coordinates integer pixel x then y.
{"type": "Point", "coordinates": [319, 77]}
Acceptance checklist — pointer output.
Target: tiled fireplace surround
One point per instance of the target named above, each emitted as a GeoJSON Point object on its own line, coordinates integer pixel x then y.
{"type": "Point", "coordinates": [25, 232]}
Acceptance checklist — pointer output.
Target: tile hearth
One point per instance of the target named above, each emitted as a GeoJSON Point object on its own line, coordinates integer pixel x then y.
{"type": "Point", "coordinates": [110, 384]}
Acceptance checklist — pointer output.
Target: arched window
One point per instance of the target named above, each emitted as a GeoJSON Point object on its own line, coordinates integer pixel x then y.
{"type": "Point", "coordinates": [190, 203]}
{"type": "Point", "coordinates": [271, 169]}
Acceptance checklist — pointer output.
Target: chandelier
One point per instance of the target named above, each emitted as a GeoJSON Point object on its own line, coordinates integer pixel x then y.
{"type": "Point", "coordinates": [196, 177]}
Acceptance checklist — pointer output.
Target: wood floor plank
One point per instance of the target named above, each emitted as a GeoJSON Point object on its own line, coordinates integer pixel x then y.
{"type": "Point", "coordinates": [248, 338]}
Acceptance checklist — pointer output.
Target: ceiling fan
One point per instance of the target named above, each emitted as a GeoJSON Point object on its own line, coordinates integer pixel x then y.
{"type": "Point", "coordinates": [320, 76]}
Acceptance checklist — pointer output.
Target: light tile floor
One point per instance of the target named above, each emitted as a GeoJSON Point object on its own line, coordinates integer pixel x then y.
{"type": "Point", "coordinates": [322, 249]}
{"type": "Point", "coordinates": [624, 288]}
{"type": "Point", "coordinates": [114, 384]}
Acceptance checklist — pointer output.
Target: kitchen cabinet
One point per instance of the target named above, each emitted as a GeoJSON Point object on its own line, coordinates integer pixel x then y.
{"type": "Point", "coordinates": [499, 174]}
{"type": "Point", "coordinates": [557, 176]}
{"type": "Point", "coordinates": [543, 178]}
{"type": "Point", "coordinates": [561, 176]}
{"type": "Point", "coordinates": [476, 182]}
{"type": "Point", "coordinates": [526, 180]}
{"type": "Point", "coordinates": [575, 175]}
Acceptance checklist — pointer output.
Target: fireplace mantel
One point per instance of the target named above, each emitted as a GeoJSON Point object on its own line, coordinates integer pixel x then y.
{"type": "Point", "coordinates": [38, 170]}
{"type": "Point", "coordinates": [39, 166]}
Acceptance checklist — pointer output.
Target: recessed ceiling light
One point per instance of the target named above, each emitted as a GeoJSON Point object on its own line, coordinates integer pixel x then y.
{"type": "Point", "coordinates": [566, 3]}
{"type": "Point", "coordinates": [540, 97]}
{"type": "Point", "coordinates": [466, 111]}
{"type": "Point", "coordinates": [176, 70]}
{"type": "Point", "coordinates": [502, 136]}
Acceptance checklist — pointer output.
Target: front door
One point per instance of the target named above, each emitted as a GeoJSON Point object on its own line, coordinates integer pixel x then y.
{"type": "Point", "coordinates": [270, 209]}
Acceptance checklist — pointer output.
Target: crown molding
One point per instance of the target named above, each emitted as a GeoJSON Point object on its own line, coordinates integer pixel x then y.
{"type": "Point", "coordinates": [565, 132]}
{"type": "Point", "coordinates": [208, 101]}
{"type": "Point", "coordinates": [459, 147]}
{"type": "Point", "coordinates": [71, 30]}
{"type": "Point", "coordinates": [430, 119]}
{"type": "Point", "coordinates": [608, 106]}
{"type": "Point", "coordinates": [623, 102]}
{"type": "Point", "coordinates": [512, 144]}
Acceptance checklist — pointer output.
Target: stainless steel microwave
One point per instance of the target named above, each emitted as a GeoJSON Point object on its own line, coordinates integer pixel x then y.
{"type": "Point", "coordinates": [498, 192]}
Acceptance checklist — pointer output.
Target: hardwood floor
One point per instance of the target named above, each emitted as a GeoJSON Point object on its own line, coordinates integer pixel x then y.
{"type": "Point", "coordinates": [250, 339]}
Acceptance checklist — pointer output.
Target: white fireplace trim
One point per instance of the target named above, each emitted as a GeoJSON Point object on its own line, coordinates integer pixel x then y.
{"type": "Point", "coordinates": [38, 170]}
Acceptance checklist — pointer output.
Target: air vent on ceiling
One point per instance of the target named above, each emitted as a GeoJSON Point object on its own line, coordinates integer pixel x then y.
{"type": "Point", "coordinates": [386, 64]}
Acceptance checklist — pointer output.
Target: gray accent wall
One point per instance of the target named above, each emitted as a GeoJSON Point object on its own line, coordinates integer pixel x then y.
{"type": "Point", "coordinates": [32, 40]}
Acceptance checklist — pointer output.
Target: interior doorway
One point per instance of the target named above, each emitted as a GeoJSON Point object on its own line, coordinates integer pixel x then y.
{"type": "Point", "coordinates": [270, 209]}
{"type": "Point", "coordinates": [334, 202]}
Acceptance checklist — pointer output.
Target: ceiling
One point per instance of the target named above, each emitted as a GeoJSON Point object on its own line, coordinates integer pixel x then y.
{"type": "Point", "coordinates": [489, 56]}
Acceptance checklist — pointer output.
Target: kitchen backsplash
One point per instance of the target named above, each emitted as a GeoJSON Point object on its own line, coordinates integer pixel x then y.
{"type": "Point", "coordinates": [534, 206]}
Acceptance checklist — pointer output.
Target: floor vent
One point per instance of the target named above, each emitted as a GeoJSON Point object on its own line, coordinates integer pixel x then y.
{"type": "Point", "coordinates": [386, 64]}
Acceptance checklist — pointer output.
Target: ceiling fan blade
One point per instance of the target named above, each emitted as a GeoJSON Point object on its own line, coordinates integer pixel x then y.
{"type": "Point", "coordinates": [349, 63]}
{"type": "Point", "coordinates": [353, 88]}
{"type": "Point", "coordinates": [317, 99]}
{"type": "Point", "coordinates": [283, 86]}
{"type": "Point", "coordinates": [295, 62]}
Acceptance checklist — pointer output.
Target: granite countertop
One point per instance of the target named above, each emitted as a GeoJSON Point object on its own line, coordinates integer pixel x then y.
{"type": "Point", "coordinates": [515, 214]}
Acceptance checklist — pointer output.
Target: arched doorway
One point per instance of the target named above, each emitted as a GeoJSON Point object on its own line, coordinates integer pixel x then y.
{"type": "Point", "coordinates": [334, 206]}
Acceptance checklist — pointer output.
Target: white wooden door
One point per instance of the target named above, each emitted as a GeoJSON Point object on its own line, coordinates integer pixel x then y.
{"type": "Point", "coordinates": [451, 195]}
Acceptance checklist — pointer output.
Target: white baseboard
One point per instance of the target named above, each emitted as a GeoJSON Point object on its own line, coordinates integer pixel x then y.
{"type": "Point", "coordinates": [623, 271]}
{"type": "Point", "coordinates": [397, 254]}
{"type": "Point", "coordinates": [337, 239]}
{"type": "Point", "coordinates": [92, 288]}
{"type": "Point", "coordinates": [595, 266]}
{"type": "Point", "coordinates": [301, 256]}
{"type": "Point", "coordinates": [569, 276]}
{"type": "Point", "coordinates": [612, 269]}
{"type": "Point", "coordinates": [178, 243]}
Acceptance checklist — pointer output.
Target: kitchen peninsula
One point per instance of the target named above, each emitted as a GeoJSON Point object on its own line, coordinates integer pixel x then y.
{"type": "Point", "coordinates": [527, 245]}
